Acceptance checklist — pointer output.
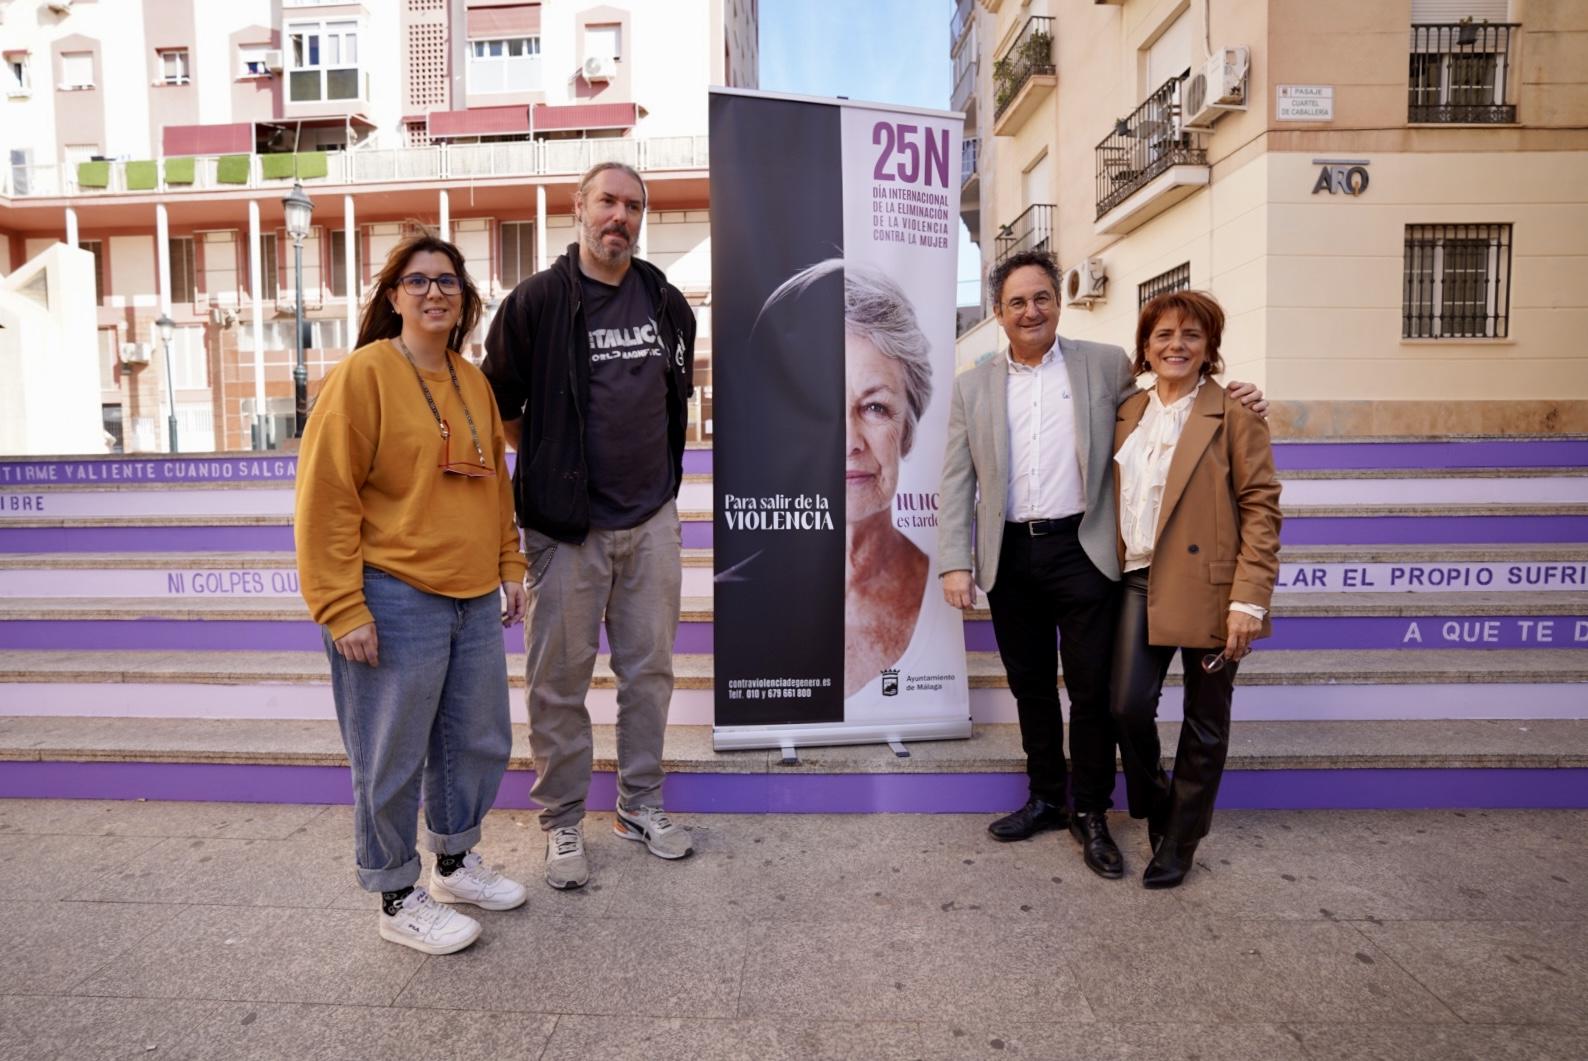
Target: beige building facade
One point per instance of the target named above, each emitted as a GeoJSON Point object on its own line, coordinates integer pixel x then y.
{"type": "Point", "coordinates": [1389, 199]}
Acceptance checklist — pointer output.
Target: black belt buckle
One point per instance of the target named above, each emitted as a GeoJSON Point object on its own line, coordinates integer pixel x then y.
{"type": "Point", "coordinates": [1040, 528]}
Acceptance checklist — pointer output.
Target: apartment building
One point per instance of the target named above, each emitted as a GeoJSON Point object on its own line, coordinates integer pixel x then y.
{"type": "Point", "coordinates": [1390, 199]}
{"type": "Point", "coordinates": [160, 137]}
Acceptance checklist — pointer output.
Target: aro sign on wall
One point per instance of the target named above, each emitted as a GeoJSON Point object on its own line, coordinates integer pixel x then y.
{"type": "Point", "coordinates": [1340, 176]}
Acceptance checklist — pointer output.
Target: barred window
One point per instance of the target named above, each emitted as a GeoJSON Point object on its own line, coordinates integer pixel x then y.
{"type": "Point", "coordinates": [1457, 282]}
{"type": "Point", "coordinates": [1176, 279]}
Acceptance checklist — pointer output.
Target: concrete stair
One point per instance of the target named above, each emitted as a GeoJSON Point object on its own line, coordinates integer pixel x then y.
{"type": "Point", "coordinates": [1271, 764]}
{"type": "Point", "coordinates": [152, 642]}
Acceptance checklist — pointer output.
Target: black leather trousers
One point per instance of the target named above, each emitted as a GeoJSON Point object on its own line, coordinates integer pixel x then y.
{"type": "Point", "coordinates": [1184, 807]}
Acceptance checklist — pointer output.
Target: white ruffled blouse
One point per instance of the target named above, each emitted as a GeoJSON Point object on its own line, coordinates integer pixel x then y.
{"type": "Point", "coordinates": [1144, 471]}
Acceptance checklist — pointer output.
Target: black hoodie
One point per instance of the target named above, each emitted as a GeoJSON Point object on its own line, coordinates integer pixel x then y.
{"type": "Point", "coordinates": [537, 358]}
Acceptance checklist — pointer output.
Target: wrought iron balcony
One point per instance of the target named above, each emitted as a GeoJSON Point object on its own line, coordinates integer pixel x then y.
{"type": "Point", "coordinates": [967, 159]}
{"type": "Point", "coordinates": [1459, 73]}
{"type": "Point", "coordinates": [1145, 144]}
{"type": "Point", "coordinates": [1030, 54]}
{"type": "Point", "coordinates": [1031, 231]}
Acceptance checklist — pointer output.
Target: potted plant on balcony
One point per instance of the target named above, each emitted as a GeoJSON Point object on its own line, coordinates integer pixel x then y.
{"type": "Point", "coordinates": [1037, 52]}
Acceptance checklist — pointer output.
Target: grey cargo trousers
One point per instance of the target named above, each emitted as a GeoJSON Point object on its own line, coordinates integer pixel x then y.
{"type": "Point", "coordinates": [632, 578]}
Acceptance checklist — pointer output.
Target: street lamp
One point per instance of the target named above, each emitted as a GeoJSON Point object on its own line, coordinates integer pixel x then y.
{"type": "Point", "coordinates": [298, 208]}
{"type": "Point", "coordinates": [167, 329]}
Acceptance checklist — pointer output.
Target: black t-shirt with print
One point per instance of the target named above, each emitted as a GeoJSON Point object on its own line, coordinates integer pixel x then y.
{"type": "Point", "coordinates": [630, 465]}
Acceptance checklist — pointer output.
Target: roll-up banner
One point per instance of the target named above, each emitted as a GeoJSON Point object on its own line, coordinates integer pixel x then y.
{"type": "Point", "coordinates": [834, 255]}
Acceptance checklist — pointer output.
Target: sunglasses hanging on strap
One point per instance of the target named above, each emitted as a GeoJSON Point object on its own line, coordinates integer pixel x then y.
{"type": "Point", "coordinates": [469, 469]}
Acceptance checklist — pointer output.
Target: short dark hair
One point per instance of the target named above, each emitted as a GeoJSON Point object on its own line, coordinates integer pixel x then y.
{"type": "Point", "coordinates": [1019, 260]}
{"type": "Point", "coordinates": [1197, 305]}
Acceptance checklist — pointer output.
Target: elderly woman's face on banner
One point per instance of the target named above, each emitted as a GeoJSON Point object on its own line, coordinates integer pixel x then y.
{"type": "Point", "coordinates": [875, 428]}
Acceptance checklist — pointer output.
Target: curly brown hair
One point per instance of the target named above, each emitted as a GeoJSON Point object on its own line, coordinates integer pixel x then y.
{"type": "Point", "coordinates": [1198, 306]}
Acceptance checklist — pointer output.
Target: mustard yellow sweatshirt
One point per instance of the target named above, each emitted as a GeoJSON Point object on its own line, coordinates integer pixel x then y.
{"type": "Point", "coordinates": [370, 491]}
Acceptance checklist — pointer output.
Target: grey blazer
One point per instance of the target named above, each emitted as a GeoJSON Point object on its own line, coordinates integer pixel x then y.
{"type": "Point", "coordinates": [976, 462]}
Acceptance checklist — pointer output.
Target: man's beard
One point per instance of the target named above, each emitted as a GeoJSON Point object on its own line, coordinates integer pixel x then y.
{"type": "Point", "coordinates": [595, 243]}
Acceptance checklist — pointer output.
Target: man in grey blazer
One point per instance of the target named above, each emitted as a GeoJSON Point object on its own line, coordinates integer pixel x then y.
{"type": "Point", "coordinates": [1028, 470]}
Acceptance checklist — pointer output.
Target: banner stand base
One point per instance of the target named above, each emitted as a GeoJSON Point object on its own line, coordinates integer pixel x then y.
{"type": "Point", "coordinates": [789, 737]}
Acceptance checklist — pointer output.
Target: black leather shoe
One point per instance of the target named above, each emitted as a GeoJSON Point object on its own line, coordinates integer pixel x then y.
{"type": "Point", "coordinates": [1029, 820]}
{"type": "Point", "coordinates": [1170, 863]}
{"type": "Point", "coordinates": [1098, 849]}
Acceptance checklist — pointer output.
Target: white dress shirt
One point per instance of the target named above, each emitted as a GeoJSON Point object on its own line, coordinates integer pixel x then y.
{"type": "Point", "coordinates": [1144, 462]}
{"type": "Point", "coordinates": [1044, 466]}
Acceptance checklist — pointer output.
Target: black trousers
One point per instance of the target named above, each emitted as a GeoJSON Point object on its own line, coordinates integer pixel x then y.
{"type": "Point", "coordinates": [1184, 807]}
{"type": "Point", "coordinates": [1046, 583]}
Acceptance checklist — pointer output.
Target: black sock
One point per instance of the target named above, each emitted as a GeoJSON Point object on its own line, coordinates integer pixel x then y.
{"type": "Point", "coordinates": [447, 865]}
{"type": "Point", "coordinates": [391, 902]}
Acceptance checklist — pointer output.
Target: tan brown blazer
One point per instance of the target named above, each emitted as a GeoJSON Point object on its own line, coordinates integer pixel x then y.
{"type": "Point", "coordinates": [1218, 530]}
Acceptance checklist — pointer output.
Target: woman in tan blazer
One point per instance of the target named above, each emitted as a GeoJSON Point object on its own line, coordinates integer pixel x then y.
{"type": "Point", "coordinates": [1198, 507]}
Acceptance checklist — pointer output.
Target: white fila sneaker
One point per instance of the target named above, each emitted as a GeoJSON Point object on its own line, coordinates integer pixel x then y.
{"type": "Point", "coordinates": [427, 926]}
{"type": "Point", "coordinates": [475, 882]}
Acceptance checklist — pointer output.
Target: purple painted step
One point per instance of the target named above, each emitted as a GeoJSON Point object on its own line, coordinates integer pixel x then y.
{"type": "Point", "coordinates": [232, 635]}
{"type": "Point", "coordinates": [697, 637]}
{"type": "Point", "coordinates": [1452, 453]}
{"type": "Point", "coordinates": [197, 469]}
{"type": "Point", "coordinates": [968, 793]}
{"type": "Point", "coordinates": [1311, 456]}
{"type": "Point", "coordinates": [194, 539]}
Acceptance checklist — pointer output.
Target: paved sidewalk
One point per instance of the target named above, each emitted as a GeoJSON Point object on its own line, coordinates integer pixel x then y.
{"type": "Point", "coordinates": [183, 930]}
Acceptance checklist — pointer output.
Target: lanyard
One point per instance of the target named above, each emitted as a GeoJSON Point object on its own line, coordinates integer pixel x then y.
{"type": "Point", "coordinates": [445, 434]}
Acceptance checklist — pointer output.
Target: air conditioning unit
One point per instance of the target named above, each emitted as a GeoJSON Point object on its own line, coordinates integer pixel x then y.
{"type": "Point", "coordinates": [273, 62]}
{"type": "Point", "coordinates": [134, 353]}
{"type": "Point", "coordinates": [598, 68]}
{"type": "Point", "coordinates": [1085, 283]}
{"type": "Point", "coordinates": [1218, 87]}
{"type": "Point", "coordinates": [222, 317]}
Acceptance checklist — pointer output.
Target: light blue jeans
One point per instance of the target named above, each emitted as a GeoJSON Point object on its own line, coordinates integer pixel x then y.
{"type": "Point", "coordinates": [434, 711]}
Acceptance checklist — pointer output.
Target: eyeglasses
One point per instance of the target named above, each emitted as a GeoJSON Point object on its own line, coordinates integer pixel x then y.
{"type": "Point", "coordinates": [419, 284]}
{"type": "Point", "coordinates": [1042, 300]}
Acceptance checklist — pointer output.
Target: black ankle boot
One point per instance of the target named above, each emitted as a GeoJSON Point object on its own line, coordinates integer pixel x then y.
{"type": "Point", "coordinates": [1157, 825]}
{"type": "Point", "coordinates": [1171, 861]}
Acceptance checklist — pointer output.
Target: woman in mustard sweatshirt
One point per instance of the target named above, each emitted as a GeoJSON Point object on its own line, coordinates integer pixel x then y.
{"type": "Point", "coordinates": [406, 546]}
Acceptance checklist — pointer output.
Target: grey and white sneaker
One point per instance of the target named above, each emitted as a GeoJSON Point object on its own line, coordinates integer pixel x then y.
{"type": "Point", "coordinates": [427, 926]}
{"type": "Point", "coordinates": [658, 832]}
{"type": "Point", "coordinates": [475, 882]}
{"type": "Point", "coordinates": [566, 865]}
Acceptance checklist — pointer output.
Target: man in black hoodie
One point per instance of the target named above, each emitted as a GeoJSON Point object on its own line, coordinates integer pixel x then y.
{"type": "Point", "coordinates": [592, 361]}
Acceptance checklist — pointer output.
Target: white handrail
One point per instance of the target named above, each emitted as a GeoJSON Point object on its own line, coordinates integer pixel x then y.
{"type": "Point", "coordinates": [514, 158]}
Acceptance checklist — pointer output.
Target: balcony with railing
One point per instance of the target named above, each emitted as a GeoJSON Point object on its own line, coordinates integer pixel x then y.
{"type": "Point", "coordinates": [959, 24]}
{"type": "Point", "coordinates": [1023, 75]}
{"type": "Point", "coordinates": [1460, 72]}
{"type": "Point", "coordinates": [1031, 231]}
{"type": "Point", "coordinates": [969, 150]}
{"type": "Point", "coordinates": [362, 165]}
{"type": "Point", "coordinates": [1148, 162]}
{"type": "Point", "coordinates": [964, 94]}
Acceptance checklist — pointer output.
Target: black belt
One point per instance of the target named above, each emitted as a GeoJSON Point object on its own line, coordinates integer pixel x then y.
{"type": "Point", "coordinates": [1037, 528]}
